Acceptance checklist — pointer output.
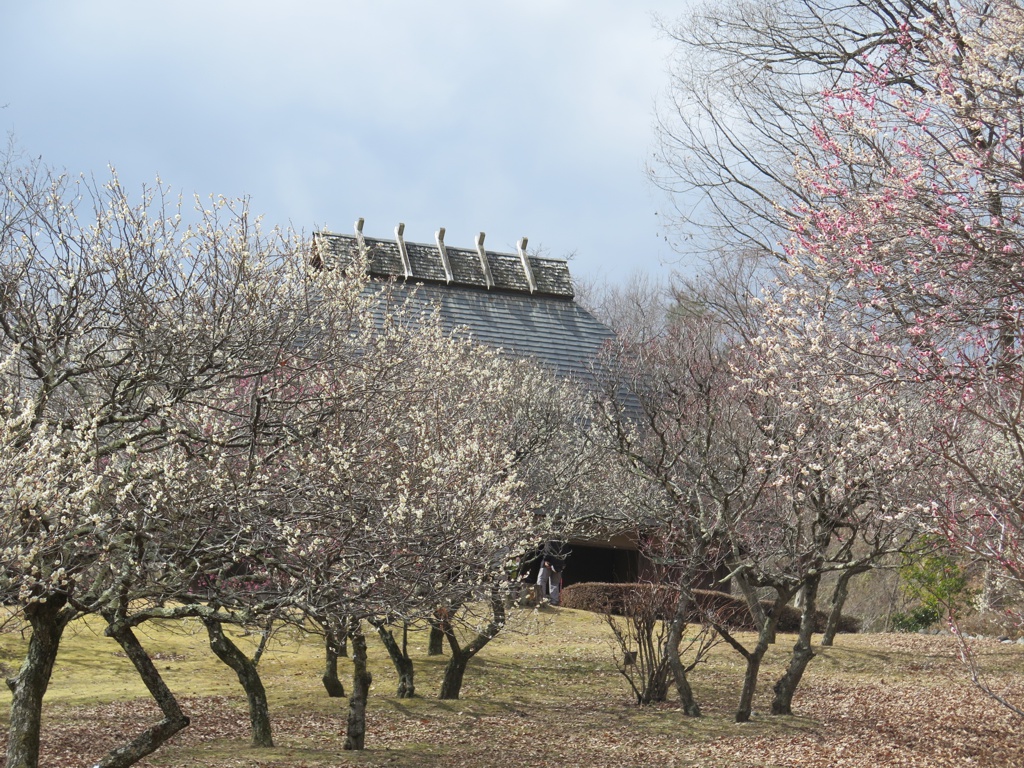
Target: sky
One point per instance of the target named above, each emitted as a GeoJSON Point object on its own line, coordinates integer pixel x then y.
{"type": "Point", "coordinates": [528, 118]}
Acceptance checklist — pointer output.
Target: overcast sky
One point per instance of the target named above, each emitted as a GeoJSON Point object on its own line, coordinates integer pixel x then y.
{"type": "Point", "coordinates": [532, 117]}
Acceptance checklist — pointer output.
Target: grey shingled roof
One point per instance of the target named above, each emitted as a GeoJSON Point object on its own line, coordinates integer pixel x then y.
{"type": "Point", "coordinates": [556, 332]}
{"type": "Point", "coordinates": [545, 324]}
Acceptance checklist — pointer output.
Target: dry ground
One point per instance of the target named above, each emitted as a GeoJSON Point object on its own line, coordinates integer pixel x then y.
{"type": "Point", "coordinates": [545, 694]}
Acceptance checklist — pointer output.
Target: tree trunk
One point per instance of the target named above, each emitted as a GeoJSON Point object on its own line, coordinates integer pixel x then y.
{"type": "Point", "coordinates": [343, 648]}
{"type": "Point", "coordinates": [675, 638]}
{"type": "Point", "coordinates": [264, 640]}
{"type": "Point", "coordinates": [249, 677]}
{"type": "Point", "coordinates": [765, 637]}
{"type": "Point", "coordinates": [839, 595]}
{"type": "Point", "coordinates": [332, 650]}
{"type": "Point", "coordinates": [455, 671]}
{"type": "Point", "coordinates": [48, 621]}
{"type": "Point", "coordinates": [435, 645]}
{"type": "Point", "coordinates": [686, 698]}
{"type": "Point", "coordinates": [174, 720]}
{"type": "Point", "coordinates": [757, 612]}
{"type": "Point", "coordinates": [355, 735]}
{"type": "Point", "coordinates": [786, 686]}
{"type": "Point", "coordinates": [400, 658]}
{"type": "Point", "coordinates": [746, 706]}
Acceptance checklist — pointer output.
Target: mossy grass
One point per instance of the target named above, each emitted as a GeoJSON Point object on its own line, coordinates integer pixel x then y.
{"type": "Point", "coordinates": [550, 674]}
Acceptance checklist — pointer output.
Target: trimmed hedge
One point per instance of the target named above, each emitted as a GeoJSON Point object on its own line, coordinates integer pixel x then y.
{"type": "Point", "coordinates": [732, 611]}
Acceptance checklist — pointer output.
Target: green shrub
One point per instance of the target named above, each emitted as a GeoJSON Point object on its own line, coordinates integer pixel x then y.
{"type": "Point", "coordinates": [921, 617]}
{"type": "Point", "coordinates": [937, 582]}
{"type": "Point", "coordinates": [937, 579]}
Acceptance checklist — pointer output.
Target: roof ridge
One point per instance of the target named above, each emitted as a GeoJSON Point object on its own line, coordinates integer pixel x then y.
{"type": "Point", "coordinates": [439, 263]}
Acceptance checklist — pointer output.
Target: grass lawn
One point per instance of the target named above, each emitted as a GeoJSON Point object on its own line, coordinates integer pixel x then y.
{"type": "Point", "coordinates": [545, 693]}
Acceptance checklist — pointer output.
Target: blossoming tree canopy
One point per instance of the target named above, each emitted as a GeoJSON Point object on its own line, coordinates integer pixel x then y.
{"type": "Point", "coordinates": [123, 322]}
{"type": "Point", "coordinates": [915, 225]}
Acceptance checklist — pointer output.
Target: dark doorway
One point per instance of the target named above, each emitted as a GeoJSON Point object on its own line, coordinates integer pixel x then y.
{"type": "Point", "coordinates": [606, 564]}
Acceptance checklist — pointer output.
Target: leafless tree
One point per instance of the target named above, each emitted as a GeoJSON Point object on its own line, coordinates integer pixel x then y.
{"type": "Point", "coordinates": [746, 90]}
{"type": "Point", "coordinates": [672, 415]}
{"type": "Point", "coordinates": [642, 636]}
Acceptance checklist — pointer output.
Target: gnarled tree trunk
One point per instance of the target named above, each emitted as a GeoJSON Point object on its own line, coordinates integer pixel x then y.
{"type": "Point", "coordinates": [435, 644]}
{"type": "Point", "coordinates": [400, 658]}
{"type": "Point", "coordinates": [355, 734]}
{"type": "Point", "coordinates": [48, 621]}
{"type": "Point", "coordinates": [757, 612]}
{"type": "Point", "coordinates": [745, 708]}
{"type": "Point", "coordinates": [174, 720]}
{"type": "Point", "coordinates": [455, 671]}
{"type": "Point", "coordinates": [786, 686]}
{"type": "Point", "coordinates": [767, 623]}
{"type": "Point", "coordinates": [249, 677]}
{"type": "Point", "coordinates": [675, 663]}
{"type": "Point", "coordinates": [839, 595]}
{"type": "Point", "coordinates": [333, 648]}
